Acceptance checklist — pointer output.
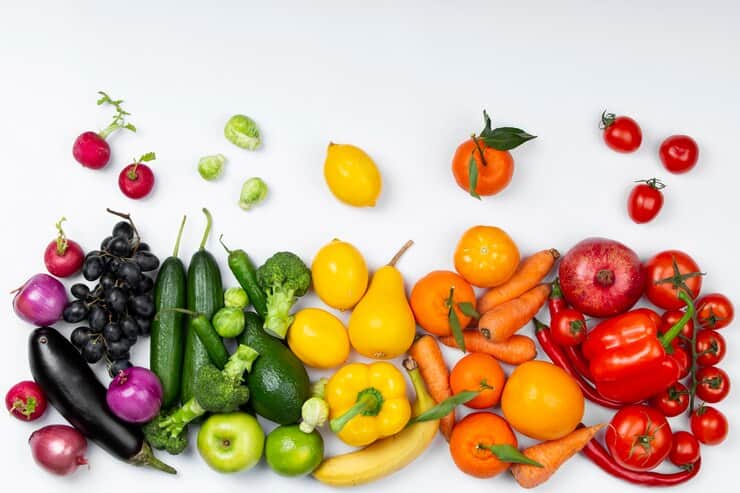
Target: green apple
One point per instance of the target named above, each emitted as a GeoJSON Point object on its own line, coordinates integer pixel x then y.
{"type": "Point", "coordinates": [231, 442]}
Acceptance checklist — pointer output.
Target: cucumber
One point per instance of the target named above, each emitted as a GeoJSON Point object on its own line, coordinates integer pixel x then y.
{"type": "Point", "coordinates": [205, 296]}
{"type": "Point", "coordinates": [167, 341]}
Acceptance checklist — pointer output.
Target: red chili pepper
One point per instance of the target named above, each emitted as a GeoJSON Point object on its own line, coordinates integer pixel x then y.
{"type": "Point", "coordinates": [556, 302]}
{"type": "Point", "coordinates": [580, 364]}
{"type": "Point", "coordinates": [629, 362]}
{"type": "Point", "coordinates": [556, 355]}
{"type": "Point", "coordinates": [599, 456]}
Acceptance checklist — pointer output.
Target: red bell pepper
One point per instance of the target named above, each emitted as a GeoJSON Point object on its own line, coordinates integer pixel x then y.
{"type": "Point", "coordinates": [628, 360]}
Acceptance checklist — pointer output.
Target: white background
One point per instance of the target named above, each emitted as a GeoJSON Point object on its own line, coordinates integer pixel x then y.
{"type": "Point", "coordinates": [406, 83]}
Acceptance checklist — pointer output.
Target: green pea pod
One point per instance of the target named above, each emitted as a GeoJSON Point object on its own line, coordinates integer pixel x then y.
{"type": "Point", "coordinates": [445, 407]}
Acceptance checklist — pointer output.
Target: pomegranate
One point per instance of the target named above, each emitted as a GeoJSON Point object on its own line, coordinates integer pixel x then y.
{"type": "Point", "coordinates": [601, 277]}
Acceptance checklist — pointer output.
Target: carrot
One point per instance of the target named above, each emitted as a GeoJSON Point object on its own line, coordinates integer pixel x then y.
{"type": "Point", "coordinates": [551, 455]}
{"type": "Point", "coordinates": [515, 350]}
{"type": "Point", "coordinates": [532, 270]}
{"type": "Point", "coordinates": [503, 321]}
{"type": "Point", "coordinates": [436, 375]}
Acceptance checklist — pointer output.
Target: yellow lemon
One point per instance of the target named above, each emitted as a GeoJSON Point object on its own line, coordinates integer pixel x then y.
{"type": "Point", "coordinates": [352, 175]}
{"type": "Point", "coordinates": [318, 338]}
{"type": "Point", "coordinates": [339, 274]}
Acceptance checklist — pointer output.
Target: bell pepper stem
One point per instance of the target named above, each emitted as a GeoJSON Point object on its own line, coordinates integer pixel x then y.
{"type": "Point", "coordinates": [673, 332]}
{"type": "Point", "coordinates": [369, 402]}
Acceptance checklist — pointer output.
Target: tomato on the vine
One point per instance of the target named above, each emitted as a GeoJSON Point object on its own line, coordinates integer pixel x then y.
{"type": "Point", "coordinates": [713, 384]}
{"type": "Point", "coordinates": [639, 437]}
{"type": "Point", "coordinates": [714, 311]}
{"type": "Point", "coordinates": [669, 319]}
{"type": "Point", "coordinates": [685, 450]}
{"type": "Point", "coordinates": [679, 153]}
{"type": "Point", "coordinates": [666, 273]}
{"type": "Point", "coordinates": [645, 200]}
{"type": "Point", "coordinates": [621, 133]}
{"type": "Point", "coordinates": [482, 165]}
{"type": "Point", "coordinates": [568, 327]}
{"type": "Point", "coordinates": [672, 401]}
{"type": "Point", "coordinates": [709, 425]}
{"type": "Point", "coordinates": [710, 347]}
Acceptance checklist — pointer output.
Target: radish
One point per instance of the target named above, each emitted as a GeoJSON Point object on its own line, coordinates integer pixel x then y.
{"type": "Point", "coordinates": [137, 180]}
{"type": "Point", "coordinates": [90, 148]}
{"type": "Point", "coordinates": [63, 257]}
{"type": "Point", "coordinates": [26, 401]}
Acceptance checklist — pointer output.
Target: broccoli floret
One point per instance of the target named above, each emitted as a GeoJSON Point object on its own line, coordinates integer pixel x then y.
{"type": "Point", "coordinates": [163, 440]}
{"type": "Point", "coordinates": [283, 278]}
{"type": "Point", "coordinates": [215, 391]}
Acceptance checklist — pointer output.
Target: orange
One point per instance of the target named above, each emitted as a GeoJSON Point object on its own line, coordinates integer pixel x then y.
{"type": "Point", "coordinates": [469, 440]}
{"type": "Point", "coordinates": [541, 401]}
{"type": "Point", "coordinates": [430, 301]}
{"type": "Point", "coordinates": [486, 256]}
{"type": "Point", "coordinates": [493, 177]}
{"type": "Point", "coordinates": [476, 370]}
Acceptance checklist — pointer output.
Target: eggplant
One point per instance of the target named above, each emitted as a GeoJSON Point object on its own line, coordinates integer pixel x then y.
{"type": "Point", "coordinates": [73, 389]}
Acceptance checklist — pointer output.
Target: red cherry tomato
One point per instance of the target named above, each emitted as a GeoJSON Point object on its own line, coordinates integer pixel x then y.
{"type": "Point", "coordinates": [679, 153]}
{"type": "Point", "coordinates": [662, 281]}
{"type": "Point", "coordinates": [669, 319]}
{"type": "Point", "coordinates": [714, 311]}
{"type": "Point", "coordinates": [710, 347]}
{"type": "Point", "coordinates": [685, 450]}
{"type": "Point", "coordinates": [568, 327]}
{"type": "Point", "coordinates": [639, 437]}
{"type": "Point", "coordinates": [621, 133]}
{"type": "Point", "coordinates": [713, 384]}
{"type": "Point", "coordinates": [709, 425]}
{"type": "Point", "coordinates": [672, 401]}
{"type": "Point", "coordinates": [645, 200]}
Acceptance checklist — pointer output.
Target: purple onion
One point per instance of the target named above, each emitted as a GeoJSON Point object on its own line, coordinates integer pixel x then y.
{"type": "Point", "coordinates": [41, 300]}
{"type": "Point", "coordinates": [135, 395]}
{"type": "Point", "coordinates": [59, 449]}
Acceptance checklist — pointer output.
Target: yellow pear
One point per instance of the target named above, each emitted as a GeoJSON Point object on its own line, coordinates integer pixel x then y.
{"type": "Point", "coordinates": [382, 324]}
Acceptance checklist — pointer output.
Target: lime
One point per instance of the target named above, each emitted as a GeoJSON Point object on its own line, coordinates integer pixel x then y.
{"type": "Point", "coordinates": [290, 452]}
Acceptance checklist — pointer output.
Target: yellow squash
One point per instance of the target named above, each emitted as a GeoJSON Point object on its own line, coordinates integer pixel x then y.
{"type": "Point", "coordinates": [382, 325]}
{"type": "Point", "coordinates": [339, 275]}
{"type": "Point", "coordinates": [387, 455]}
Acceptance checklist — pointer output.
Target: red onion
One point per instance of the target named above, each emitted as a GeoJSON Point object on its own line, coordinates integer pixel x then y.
{"type": "Point", "coordinates": [41, 300]}
{"type": "Point", "coordinates": [59, 449]}
{"type": "Point", "coordinates": [135, 395]}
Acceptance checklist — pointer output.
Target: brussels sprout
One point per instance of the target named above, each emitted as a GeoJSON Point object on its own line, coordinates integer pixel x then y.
{"type": "Point", "coordinates": [241, 131]}
{"type": "Point", "coordinates": [236, 298]}
{"type": "Point", "coordinates": [210, 167]}
{"type": "Point", "coordinates": [229, 322]}
{"type": "Point", "coordinates": [253, 192]}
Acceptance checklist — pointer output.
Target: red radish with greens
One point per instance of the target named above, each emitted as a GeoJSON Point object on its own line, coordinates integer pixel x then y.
{"type": "Point", "coordinates": [60, 449]}
{"type": "Point", "coordinates": [26, 401]}
{"type": "Point", "coordinates": [135, 395]}
{"type": "Point", "coordinates": [63, 257]}
{"type": "Point", "coordinates": [601, 277]}
{"type": "Point", "coordinates": [41, 300]}
{"type": "Point", "coordinates": [90, 148]}
{"type": "Point", "coordinates": [137, 180]}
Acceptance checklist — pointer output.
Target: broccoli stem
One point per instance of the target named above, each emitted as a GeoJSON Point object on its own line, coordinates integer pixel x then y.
{"type": "Point", "coordinates": [278, 319]}
{"type": "Point", "coordinates": [176, 422]}
{"type": "Point", "coordinates": [239, 362]}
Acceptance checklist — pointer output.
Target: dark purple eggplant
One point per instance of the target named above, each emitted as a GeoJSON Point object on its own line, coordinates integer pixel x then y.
{"type": "Point", "coordinates": [74, 390]}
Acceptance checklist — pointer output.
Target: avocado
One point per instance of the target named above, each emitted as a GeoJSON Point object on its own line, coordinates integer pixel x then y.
{"type": "Point", "coordinates": [278, 383]}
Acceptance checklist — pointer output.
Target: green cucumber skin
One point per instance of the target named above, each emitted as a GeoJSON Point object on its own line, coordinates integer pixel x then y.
{"type": "Point", "coordinates": [205, 295]}
{"type": "Point", "coordinates": [245, 272]}
{"type": "Point", "coordinates": [167, 341]}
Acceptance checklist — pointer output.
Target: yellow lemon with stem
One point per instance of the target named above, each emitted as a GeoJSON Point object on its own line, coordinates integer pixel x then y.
{"type": "Point", "coordinates": [352, 175]}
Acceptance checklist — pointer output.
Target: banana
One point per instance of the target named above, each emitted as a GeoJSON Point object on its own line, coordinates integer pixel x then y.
{"type": "Point", "coordinates": [388, 455]}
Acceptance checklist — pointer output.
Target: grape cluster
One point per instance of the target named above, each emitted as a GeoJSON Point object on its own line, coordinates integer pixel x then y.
{"type": "Point", "coordinates": [120, 307]}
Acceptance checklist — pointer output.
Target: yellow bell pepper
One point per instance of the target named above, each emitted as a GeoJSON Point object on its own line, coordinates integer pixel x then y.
{"type": "Point", "coordinates": [367, 402]}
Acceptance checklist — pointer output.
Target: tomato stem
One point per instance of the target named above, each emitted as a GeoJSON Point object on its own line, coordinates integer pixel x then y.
{"type": "Point", "coordinates": [607, 120]}
{"type": "Point", "coordinates": [653, 183]}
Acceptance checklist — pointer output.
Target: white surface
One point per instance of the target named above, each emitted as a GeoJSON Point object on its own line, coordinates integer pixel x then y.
{"type": "Point", "coordinates": [405, 83]}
